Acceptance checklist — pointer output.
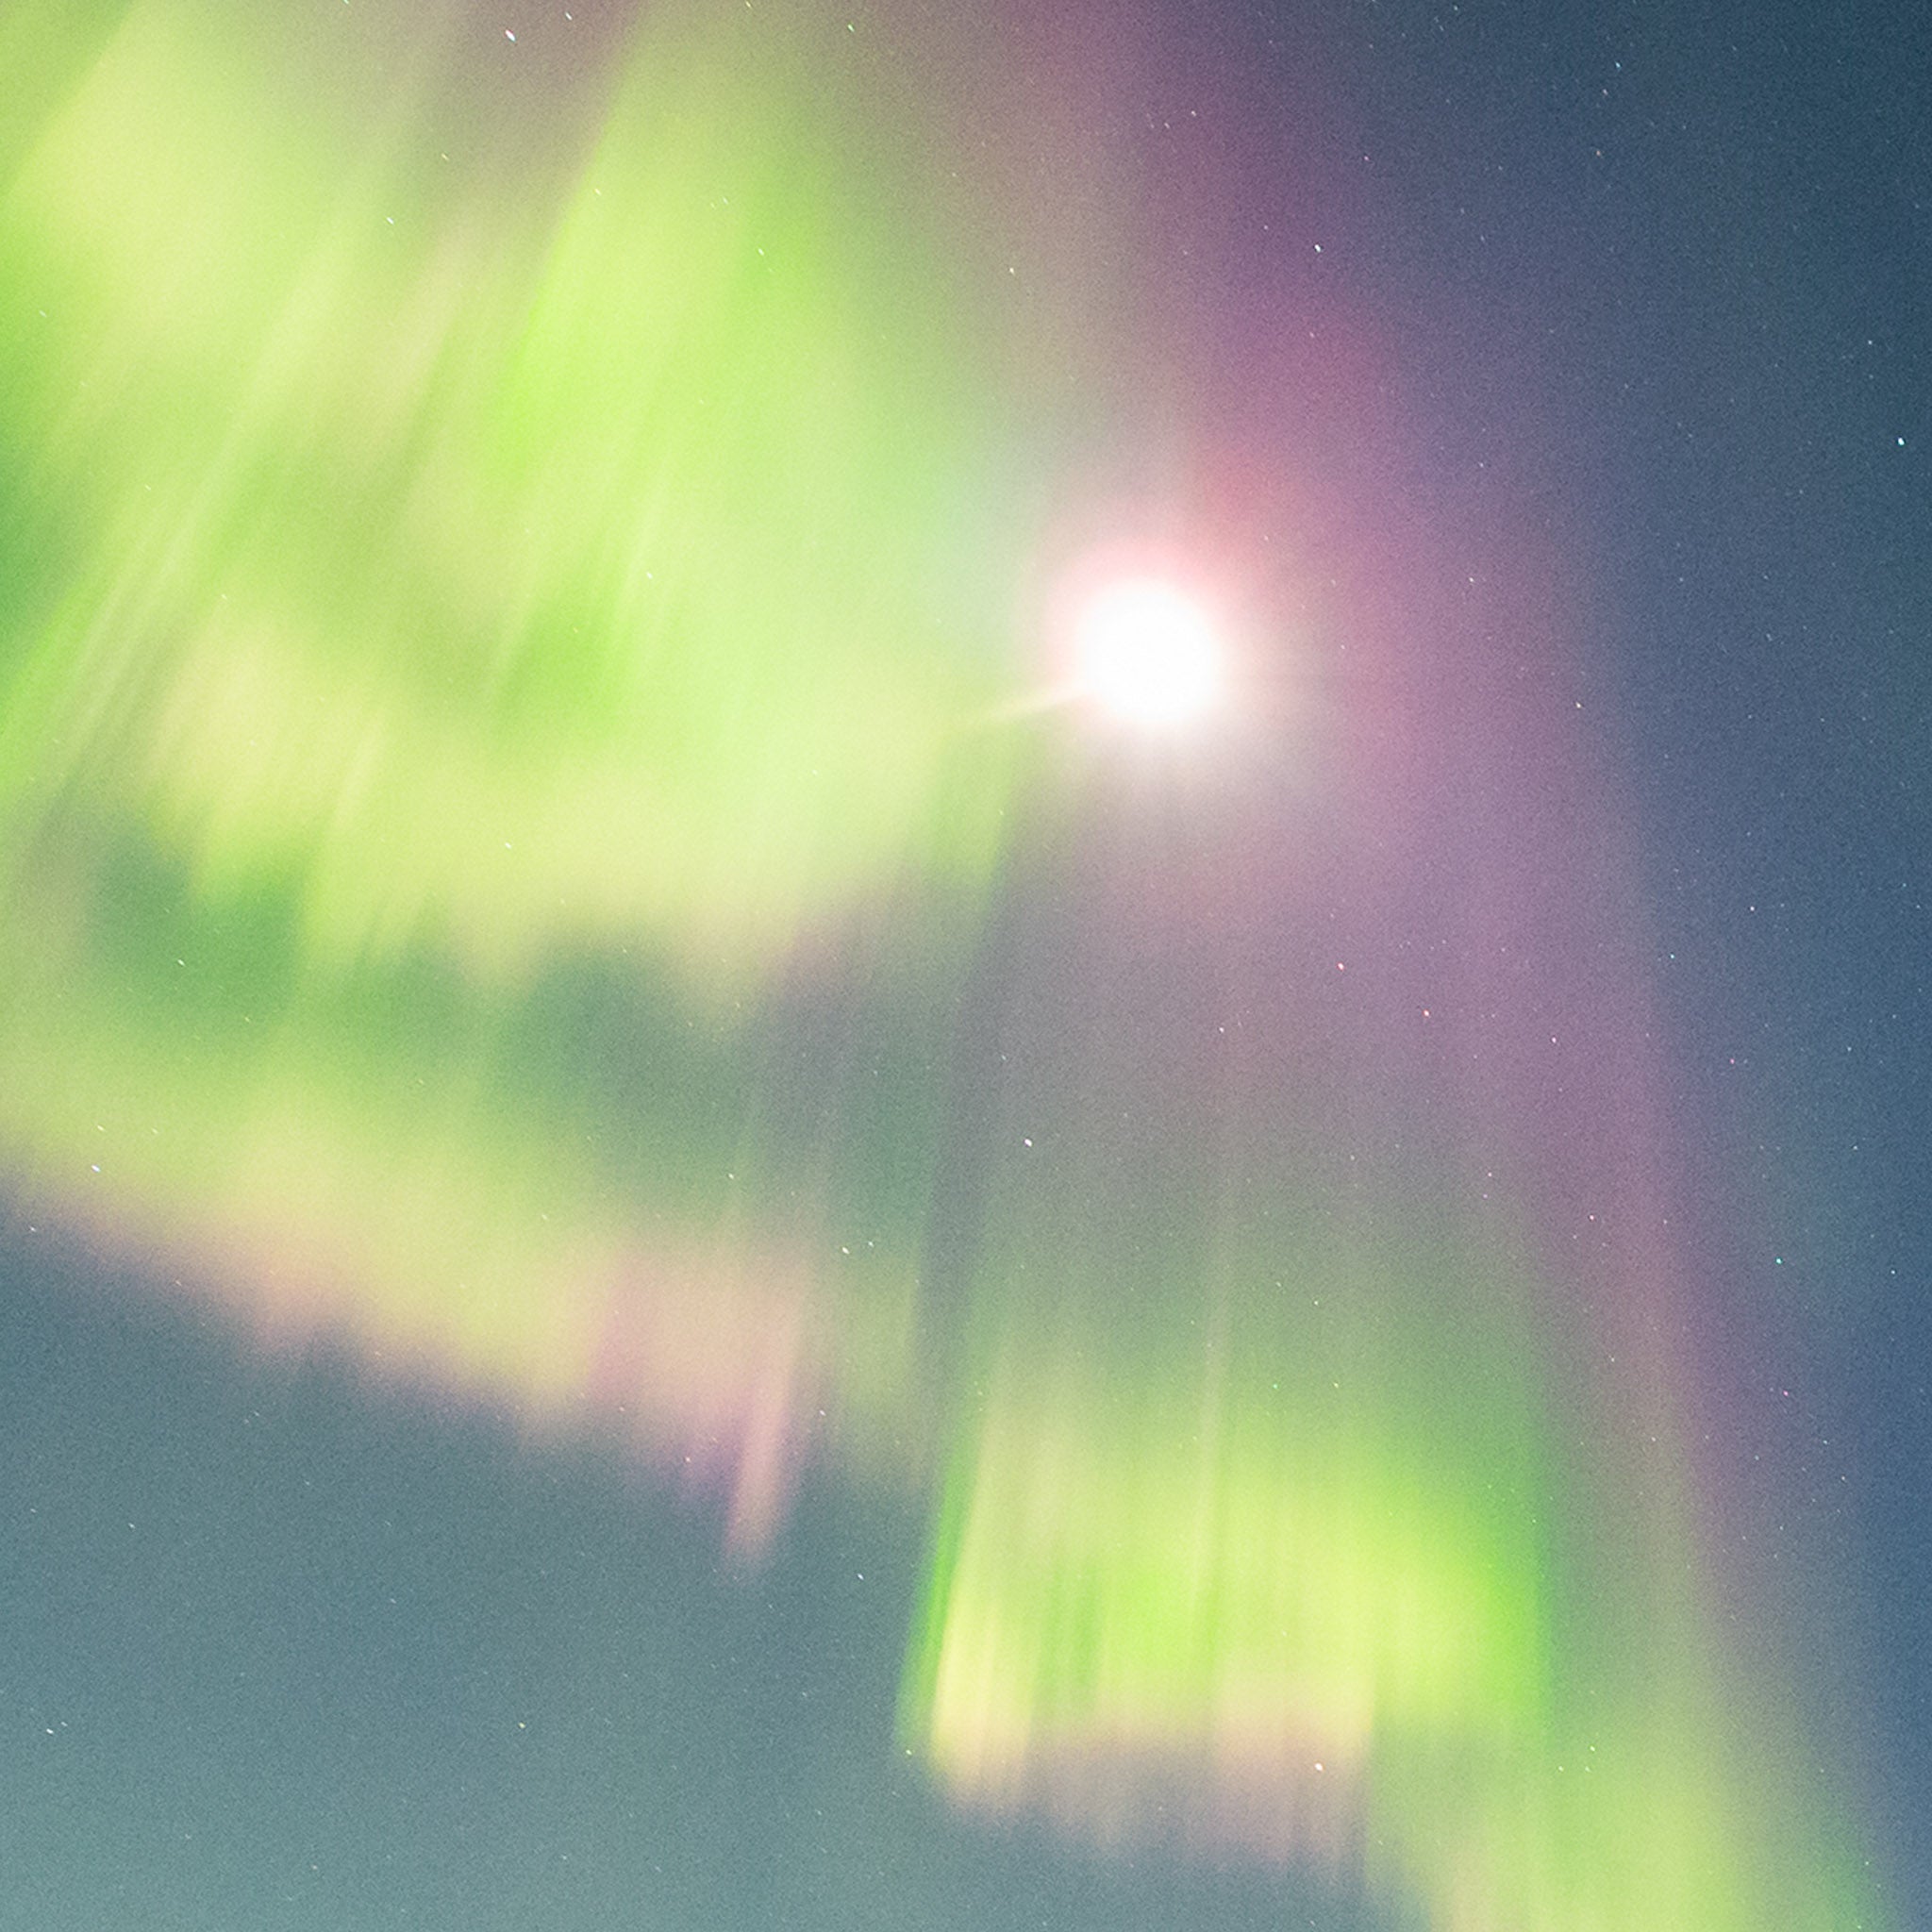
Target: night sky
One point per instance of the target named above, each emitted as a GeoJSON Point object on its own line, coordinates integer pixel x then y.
{"type": "Point", "coordinates": [965, 968]}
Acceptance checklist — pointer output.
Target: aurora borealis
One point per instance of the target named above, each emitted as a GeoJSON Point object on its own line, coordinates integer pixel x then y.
{"type": "Point", "coordinates": [547, 847]}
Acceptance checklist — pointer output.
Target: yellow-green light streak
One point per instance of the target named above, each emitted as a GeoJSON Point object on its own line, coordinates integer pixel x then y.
{"type": "Point", "coordinates": [500, 612]}
{"type": "Point", "coordinates": [500, 588]}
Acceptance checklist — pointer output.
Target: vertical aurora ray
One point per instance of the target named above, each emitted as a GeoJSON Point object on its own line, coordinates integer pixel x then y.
{"type": "Point", "coordinates": [1325, 1483]}
{"type": "Point", "coordinates": [1290, 1511]}
{"type": "Point", "coordinates": [404, 529]}
{"type": "Point", "coordinates": [516, 607]}
{"type": "Point", "coordinates": [506, 612]}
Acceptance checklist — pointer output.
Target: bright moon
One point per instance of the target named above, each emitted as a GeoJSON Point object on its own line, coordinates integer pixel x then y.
{"type": "Point", "coordinates": [1148, 653]}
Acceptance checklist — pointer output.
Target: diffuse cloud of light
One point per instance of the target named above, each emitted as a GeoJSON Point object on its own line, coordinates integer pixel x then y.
{"type": "Point", "coordinates": [496, 787]}
{"type": "Point", "coordinates": [505, 593]}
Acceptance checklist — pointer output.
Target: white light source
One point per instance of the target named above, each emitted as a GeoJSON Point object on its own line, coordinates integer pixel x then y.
{"type": "Point", "coordinates": [1146, 651]}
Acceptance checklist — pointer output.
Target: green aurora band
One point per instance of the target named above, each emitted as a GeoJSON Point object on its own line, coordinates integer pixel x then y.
{"type": "Point", "coordinates": [507, 650]}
